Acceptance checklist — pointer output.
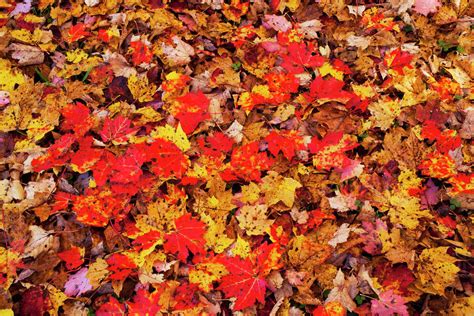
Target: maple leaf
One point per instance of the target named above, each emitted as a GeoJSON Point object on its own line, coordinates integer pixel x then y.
{"type": "Point", "coordinates": [438, 165]}
{"type": "Point", "coordinates": [86, 157]}
{"type": "Point", "coordinates": [167, 159]}
{"type": "Point", "coordinates": [280, 82]}
{"type": "Point", "coordinates": [462, 183]}
{"type": "Point", "coordinates": [147, 241]}
{"type": "Point", "coordinates": [301, 55]}
{"type": "Point", "coordinates": [77, 32]}
{"type": "Point", "coordinates": [436, 270]}
{"type": "Point", "coordinates": [397, 60]}
{"type": "Point", "coordinates": [56, 155]}
{"type": "Point", "coordinates": [185, 297]}
{"type": "Point", "coordinates": [330, 309]}
{"type": "Point", "coordinates": [268, 258]}
{"type": "Point", "coordinates": [206, 272]}
{"type": "Point", "coordinates": [120, 266]}
{"type": "Point", "coordinates": [127, 168]}
{"type": "Point", "coordinates": [111, 307]}
{"type": "Point", "coordinates": [397, 278]}
{"type": "Point", "coordinates": [145, 303]}
{"type": "Point", "coordinates": [330, 89]}
{"type": "Point", "coordinates": [242, 282]}
{"type": "Point", "coordinates": [389, 304]}
{"type": "Point", "coordinates": [72, 257]}
{"type": "Point", "coordinates": [329, 151]}
{"type": "Point", "coordinates": [141, 53]}
{"type": "Point", "coordinates": [96, 207]}
{"type": "Point", "coordinates": [278, 188]}
{"type": "Point", "coordinates": [247, 162]}
{"type": "Point", "coordinates": [76, 118]}
{"type": "Point", "coordinates": [117, 130]}
{"type": "Point", "coordinates": [288, 142]}
{"type": "Point", "coordinates": [253, 218]}
{"type": "Point", "coordinates": [192, 109]}
{"type": "Point", "coordinates": [188, 237]}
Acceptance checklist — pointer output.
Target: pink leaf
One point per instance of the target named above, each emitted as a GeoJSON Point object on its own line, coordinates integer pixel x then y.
{"type": "Point", "coordinates": [426, 7]}
{"type": "Point", "coordinates": [389, 304]}
{"type": "Point", "coordinates": [77, 283]}
{"type": "Point", "coordinates": [277, 22]}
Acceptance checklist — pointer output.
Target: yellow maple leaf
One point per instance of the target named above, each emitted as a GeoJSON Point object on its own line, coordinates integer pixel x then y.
{"type": "Point", "coordinates": [76, 56]}
{"type": "Point", "coordinates": [436, 270]}
{"type": "Point", "coordinates": [327, 69]}
{"type": "Point", "coordinates": [97, 272]}
{"type": "Point", "coordinates": [405, 208]}
{"type": "Point", "coordinates": [148, 114]}
{"type": "Point", "coordinates": [215, 235]}
{"type": "Point", "coordinates": [253, 218]}
{"type": "Point", "coordinates": [56, 297]}
{"type": "Point", "coordinates": [241, 248]}
{"type": "Point", "coordinates": [176, 136]}
{"type": "Point", "coordinates": [140, 88]}
{"type": "Point", "coordinates": [384, 111]}
{"type": "Point", "coordinates": [250, 193]}
{"type": "Point", "coordinates": [206, 273]}
{"type": "Point", "coordinates": [278, 188]}
{"type": "Point", "coordinates": [9, 78]}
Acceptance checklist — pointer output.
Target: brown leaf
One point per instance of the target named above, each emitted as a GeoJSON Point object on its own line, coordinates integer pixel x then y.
{"type": "Point", "coordinates": [26, 54]}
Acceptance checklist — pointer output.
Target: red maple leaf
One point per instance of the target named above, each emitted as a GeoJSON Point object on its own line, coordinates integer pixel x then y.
{"type": "Point", "coordinates": [167, 159]}
{"type": "Point", "coordinates": [56, 155]}
{"type": "Point", "coordinates": [329, 151]}
{"type": "Point", "coordinates": [397, 278]}
{"type": "Point", "coordinates": [111, 307]}
{"type": "Point", "coordinates": [77, 32]}
{"type": "Point", "coordinates": [86, 157]}
{"type": "Point", "coordinates": [301, 55]}
{"type": "Point", "coordinates": [213, 145]}
{"type": "Point", "coordinates": [76, 118]}
{"type": "Point", "coordinates": [328, 90]}
{"type": "Point", "coordinates": [185, 297]}
{"type": "Point", "coordinates": [141, 53]}
{"type": "Point", "coordinates": [397, 59]}
{"type": "Point", "coordinates": [188, 237]}
{"type": "Point", "coordinates": [288, 142]}
{"type": "Point", "coordinates": [282, 82]}
{"type": "Point", "coordinates": [61, 201]}
{"type": "Point", "coordinates": [247, 162]}
{"type": "Point", "coordinates": [193, 109]}
{"type": "Point", "coordinates": [96, 207]}
{"type": "Point", "coordinates": [120, 266]}
{"type": "Point", "coordinates": [145, 303]}
{"type": "Point", "coordinates": [103, 169]}
{"type": "Point", "coordinates": [72, 258]}
{"type": "Point", "coordinates": [128, 166]}
{"type": "Point", "coordinates": [146, 240]}
{"type": "Point", "coordinates": [117, 130]}
{"type": "Point", "coordinates": [243, 282]}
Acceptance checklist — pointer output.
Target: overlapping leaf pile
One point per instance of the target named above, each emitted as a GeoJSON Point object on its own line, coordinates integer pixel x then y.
{"type": "Point", "coordinates": [206, 157]}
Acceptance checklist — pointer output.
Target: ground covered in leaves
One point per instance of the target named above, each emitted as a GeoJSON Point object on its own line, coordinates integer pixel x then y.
{"type": "Point", "coordinates": [288, 157]}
